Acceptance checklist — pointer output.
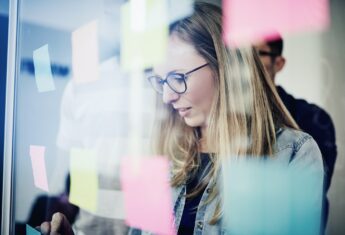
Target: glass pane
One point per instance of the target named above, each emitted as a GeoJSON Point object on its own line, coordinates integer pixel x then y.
{"type": "Point", "coordinates": [74, 111]}
{"type": "Point", "coordinates": [84, 114]}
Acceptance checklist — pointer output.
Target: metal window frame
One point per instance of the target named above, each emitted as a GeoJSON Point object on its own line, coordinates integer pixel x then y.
{"type": "Point", "coordinates": [8, 166]}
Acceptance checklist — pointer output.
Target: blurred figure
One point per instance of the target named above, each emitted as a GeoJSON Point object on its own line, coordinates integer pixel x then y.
{"type": "Point", "coordinates": [95, 117]}
{"type": "Point", "coordinates": [45, 206]}
{"type": "Point", "coordinates": [92, 118]}
{"type": "Point", "coordinates": [310, 118]}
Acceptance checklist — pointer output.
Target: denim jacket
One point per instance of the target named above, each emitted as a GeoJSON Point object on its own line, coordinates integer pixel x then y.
{"type": "Point", "coordinates": [293, 148]}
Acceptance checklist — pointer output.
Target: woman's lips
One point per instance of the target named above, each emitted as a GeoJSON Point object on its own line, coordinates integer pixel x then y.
{"type": "Point", "coordinates": [183, 111]}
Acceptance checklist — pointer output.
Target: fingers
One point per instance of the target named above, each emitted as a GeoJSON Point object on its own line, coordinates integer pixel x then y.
{"type": "Point", "coordinates": [60, 225]}
{"type": "Point", "coordinates": [57, 222]}
{"type": "Point", "coordinates": [45, 228]}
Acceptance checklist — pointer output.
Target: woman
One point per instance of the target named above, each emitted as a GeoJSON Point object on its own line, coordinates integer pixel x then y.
{"type": "Point", "coordinates": [217, 102]}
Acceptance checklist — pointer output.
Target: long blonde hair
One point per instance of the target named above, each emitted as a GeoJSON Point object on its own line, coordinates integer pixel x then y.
{"type": "Point", "coordinates": [246, 110]}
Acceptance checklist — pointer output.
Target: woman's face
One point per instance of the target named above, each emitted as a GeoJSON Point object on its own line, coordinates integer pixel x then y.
{"type": "Point", "coordinates": [195, 104]}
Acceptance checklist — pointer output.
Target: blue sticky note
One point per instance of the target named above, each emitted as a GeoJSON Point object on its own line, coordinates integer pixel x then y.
{"type": "Point", "coordinates": [31, 231]}
{"type": "Point", "coordinates": [43, 72]}
{"type": "Point", "coordinates": [267, 197]}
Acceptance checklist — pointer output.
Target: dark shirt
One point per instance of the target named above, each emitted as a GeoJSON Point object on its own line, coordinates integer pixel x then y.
{"type": "Point", "coordinates": [317, 123]}
{"type": "Point", "coordinates": [190, 208]}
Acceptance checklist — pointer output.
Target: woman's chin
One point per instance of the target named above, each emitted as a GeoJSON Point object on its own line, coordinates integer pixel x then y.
{"type": "Point", "coordinates": [192, 122]}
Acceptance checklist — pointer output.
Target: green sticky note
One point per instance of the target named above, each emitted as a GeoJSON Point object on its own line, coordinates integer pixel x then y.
{"type": "Point", "coordinates": [145, 47]}
{"type": "Point", "coordinates": [31, 231]}
{"type": "Point", "coordinates": [84, 180]}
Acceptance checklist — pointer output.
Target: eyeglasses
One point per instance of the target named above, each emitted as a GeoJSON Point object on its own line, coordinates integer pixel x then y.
{"type": "Point", "coordinates": [268, 53]}
{"type": "Point", "coordinates": [176, 81]}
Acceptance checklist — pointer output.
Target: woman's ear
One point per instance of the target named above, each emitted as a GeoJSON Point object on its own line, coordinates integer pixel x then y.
{"type": "Point", "coordinates": [279, 64]}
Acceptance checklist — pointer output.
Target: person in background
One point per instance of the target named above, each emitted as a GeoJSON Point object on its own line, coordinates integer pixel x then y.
{"type": "Point", "coordinates": [215, 104]}
{"type": "Point", "coordinates": [45, 206]}
{"type": "Point", "coordinates": [310, 118]}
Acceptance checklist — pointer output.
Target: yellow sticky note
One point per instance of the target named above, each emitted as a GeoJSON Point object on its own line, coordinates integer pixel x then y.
{"type": "Point", "coordinates": [84, 181]}
{"type": "Point", "coordinates": [144, 46]}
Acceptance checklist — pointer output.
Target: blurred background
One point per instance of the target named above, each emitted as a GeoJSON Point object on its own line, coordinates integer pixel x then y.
{"type": "Point", "coordinates": [314, 71]}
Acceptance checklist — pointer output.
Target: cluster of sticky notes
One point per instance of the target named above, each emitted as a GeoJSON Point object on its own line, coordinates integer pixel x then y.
{"type": "Point", "coordinates": [147, 194]}
{"type": "Point", "coordinates": [250, 21]}
{"type": "Point", "coordinates": [84, 179]}
{"type": "Point", "coordinates": [144, 33]}
{"type": "Point", "coordinates": [267, 198]}
{"type": "Point", "coordinates": [43, 71]}
{"type": "Point", "coordinates": [38, 167]}
{"type": "Point", "coordinates": [85, 54]}
{"type": "Point", "coordinates": [31, 231]}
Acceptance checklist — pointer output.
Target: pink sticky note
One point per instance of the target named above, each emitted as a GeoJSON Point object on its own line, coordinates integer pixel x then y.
{"type": "Point", "coordinates": [147, 194]}
{"type": "Point", "coordinates": [38, 167]}
{"type": "Point", "coordinates": [250, 21]}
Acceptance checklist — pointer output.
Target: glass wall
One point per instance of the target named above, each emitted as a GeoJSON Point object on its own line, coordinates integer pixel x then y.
{"type": "Point", "coordinates": [73, 108]}
{"type": "Point", "coordinates": [80, 110]}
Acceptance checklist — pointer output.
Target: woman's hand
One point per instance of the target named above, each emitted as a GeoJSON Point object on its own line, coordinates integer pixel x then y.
{"type": "Point", "coordinates": [58, 226]}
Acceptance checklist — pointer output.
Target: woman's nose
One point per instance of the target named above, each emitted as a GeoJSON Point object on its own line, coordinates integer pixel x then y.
{"type": "Point", "coordinates": [169, 95]}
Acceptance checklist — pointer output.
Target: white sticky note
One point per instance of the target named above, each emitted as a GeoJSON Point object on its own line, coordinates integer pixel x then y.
{"type": "Point", "coordinates": [85, 53]}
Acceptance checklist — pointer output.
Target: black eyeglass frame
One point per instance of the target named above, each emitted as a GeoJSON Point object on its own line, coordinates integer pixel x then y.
{"type": "Point", "coordinates": [268, 53]}
{"type": "Point", "coordinates": [184, 77]}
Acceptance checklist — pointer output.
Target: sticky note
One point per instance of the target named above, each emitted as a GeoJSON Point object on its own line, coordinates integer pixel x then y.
{"type": "Point", "coordinates": [38, 167]}
{"type": "Point", "coordinates": [85, 53]}
{"type": "Point", "coordinates": [250, 21]}
{"type": "Point", "coordinates": [43, 71]}
{"type": "Point", "coordinates": [262, 197]}
{"type": "Point", "coordinates": [31, 231]}
{"type": "Point", "coordinates": [84, 179]}
{"type": "Point", "coordinates": [144, 45]}
{"type": "Point", "coordinates": [147, 194]}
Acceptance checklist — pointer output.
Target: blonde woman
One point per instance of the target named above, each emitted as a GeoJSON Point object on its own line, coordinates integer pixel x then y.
{"type": "Point", "coordinates": [216, 103]}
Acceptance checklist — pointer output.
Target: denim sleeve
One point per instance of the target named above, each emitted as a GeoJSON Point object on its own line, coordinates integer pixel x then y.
{"type": "Point", "coordinates": [307, 184]}
{"type": "Point", "coordinates": [307, 155]}
{"type": "Point", "coordinates": [134, 231]}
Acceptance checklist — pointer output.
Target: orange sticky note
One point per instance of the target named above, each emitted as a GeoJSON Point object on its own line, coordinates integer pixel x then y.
{"type": "Point", "coordinates": [250, 21]}
{"type": "Point", "coordinates": [85, 58]}
{"type": "Point", "coordinates": [147, 194]}
{"type": "Point", "coordinates": [38, 167]}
